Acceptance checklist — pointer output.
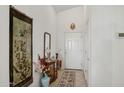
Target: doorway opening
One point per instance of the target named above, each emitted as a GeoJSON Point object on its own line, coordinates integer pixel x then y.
{"type": "Point", "coordinates": [73, 50]}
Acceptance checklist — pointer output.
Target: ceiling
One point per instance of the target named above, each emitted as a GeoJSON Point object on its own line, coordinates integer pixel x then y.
{"type": "Point", "coordinates": [59, 8]}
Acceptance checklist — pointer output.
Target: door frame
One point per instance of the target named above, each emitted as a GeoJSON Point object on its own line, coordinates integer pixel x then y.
{"type": "Point", "coordinates": [65, 46]}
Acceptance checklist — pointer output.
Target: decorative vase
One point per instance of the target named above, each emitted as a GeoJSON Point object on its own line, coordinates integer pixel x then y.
{"type": "Point", "coordinates": [45, 80]}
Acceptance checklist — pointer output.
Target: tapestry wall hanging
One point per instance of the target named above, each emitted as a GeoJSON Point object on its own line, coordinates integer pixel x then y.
{"type": "Point", "coordinates": [20, 49]}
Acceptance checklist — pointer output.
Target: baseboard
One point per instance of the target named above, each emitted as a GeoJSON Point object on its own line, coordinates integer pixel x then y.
{"type": "Point", "coordinates": [73, 69]}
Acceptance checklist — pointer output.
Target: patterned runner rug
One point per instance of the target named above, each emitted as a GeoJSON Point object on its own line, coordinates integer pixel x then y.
{"type": "Point", "coordinates": [67, 79]}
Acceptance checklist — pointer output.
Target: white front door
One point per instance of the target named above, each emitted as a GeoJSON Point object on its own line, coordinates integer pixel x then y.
{"type": "Point", "coordinates": [73, 50]}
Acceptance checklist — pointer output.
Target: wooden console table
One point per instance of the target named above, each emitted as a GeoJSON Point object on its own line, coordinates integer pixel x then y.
{"type": "Point", "coordinates": [52, 70]}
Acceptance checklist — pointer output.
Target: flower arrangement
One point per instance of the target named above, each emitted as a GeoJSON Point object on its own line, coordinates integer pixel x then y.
{"type": "Point", "coordinates": [41, 66]}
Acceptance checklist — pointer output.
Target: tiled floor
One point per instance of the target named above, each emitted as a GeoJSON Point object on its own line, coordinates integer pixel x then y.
{"type": "Point", "coordinates": [80, 80]}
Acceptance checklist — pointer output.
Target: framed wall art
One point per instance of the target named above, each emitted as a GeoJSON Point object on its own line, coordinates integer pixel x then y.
{"type": "Point", "coordinates": [72, 26]}
{"type": "Point", "coordinates": [20, 49]}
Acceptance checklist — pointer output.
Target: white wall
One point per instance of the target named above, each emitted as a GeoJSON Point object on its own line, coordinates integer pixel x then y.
{"type": "Point", "coordinates": [118, 48]}
{"type": "Point", "coordinates": [44, 20]}
{"type": "Point", "coordinates": [4, 46]}
{"type": "Point", "coordinates": [107, 58]}
{"type": "Point", "coordinates": [64, 19]}
{"type": "Point", "coordinates": [101, 22]}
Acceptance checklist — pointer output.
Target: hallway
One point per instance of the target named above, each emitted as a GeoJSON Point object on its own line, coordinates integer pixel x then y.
{"type": "Point", "coordinates": [47, 37]}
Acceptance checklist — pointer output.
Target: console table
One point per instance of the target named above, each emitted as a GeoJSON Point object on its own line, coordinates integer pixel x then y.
{"type": "Point", "coordinates": [52, 70]}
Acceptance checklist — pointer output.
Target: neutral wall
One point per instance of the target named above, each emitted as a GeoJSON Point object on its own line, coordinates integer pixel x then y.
{"type": "Point", "coordinates": [4, 46]}
{"type": "Point", "coordinates": [101, 68]}
{"type": "Point", "coordinates": [44, 20]}
{"type": "Point", "coordinates": [107, 64]}
{"type": "Point", "coordinates": [118, 48]}
{"type": "Point", "coordinates": [64, 19]}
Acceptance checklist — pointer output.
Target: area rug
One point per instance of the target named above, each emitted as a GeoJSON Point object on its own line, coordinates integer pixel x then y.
{"type": "Point", "coordinates": [67, 79]}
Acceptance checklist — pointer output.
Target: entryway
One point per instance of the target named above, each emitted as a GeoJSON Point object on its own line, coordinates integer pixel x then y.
{"type": "Point", "coordinates": [73, 50]}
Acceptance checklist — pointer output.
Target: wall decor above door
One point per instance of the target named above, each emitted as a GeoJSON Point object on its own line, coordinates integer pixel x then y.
{"type": "Point", "coordinates": [72, 26]}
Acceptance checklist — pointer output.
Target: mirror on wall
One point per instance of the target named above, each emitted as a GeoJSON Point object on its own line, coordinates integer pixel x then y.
{"type": "Point", "coordinates": [47, 45]}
